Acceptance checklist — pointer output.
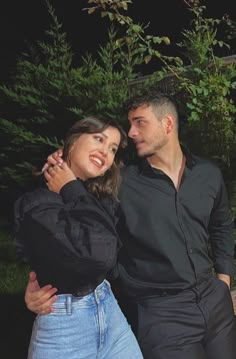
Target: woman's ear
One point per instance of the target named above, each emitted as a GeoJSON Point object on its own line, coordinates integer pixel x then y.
{"type": "Point", "coordinates": [68, 159]}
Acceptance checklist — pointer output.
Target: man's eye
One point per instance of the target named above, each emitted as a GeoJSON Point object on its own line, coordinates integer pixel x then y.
{"type": "Point", "coordinates": [139, 122]}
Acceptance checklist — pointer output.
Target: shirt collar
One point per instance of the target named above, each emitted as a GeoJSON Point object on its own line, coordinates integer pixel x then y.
{"type": "Point", "coordinates": [144, 165]}
{"type": "Point", "coordinates": [190, 160]}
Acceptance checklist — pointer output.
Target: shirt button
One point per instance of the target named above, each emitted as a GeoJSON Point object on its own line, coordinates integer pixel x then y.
{"type": "Point", "coordinates": [190, 250]}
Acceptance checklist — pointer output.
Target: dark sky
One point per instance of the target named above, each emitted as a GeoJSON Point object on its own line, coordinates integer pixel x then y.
{"type": "Point", "coordinates": [26, 20]}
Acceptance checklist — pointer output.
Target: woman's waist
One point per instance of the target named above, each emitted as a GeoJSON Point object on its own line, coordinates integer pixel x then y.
{"type": "Point", "coordinates": [79, 289]}
{"type": "Point", "coordinates": [78, 283]}
{"type": "Point", "coordinates": [66, 302]}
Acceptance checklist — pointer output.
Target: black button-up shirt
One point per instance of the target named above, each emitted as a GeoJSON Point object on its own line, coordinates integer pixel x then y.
{"type": "Point", "coordinates": [167, 233]}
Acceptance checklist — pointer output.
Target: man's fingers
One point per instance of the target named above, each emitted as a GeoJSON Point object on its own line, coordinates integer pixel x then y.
{"type": "Point", "coordinates": [45, 311]}
{"type": "Point", "coordinates": [45, 307]}
{"type": "Point", "coordinates": [45, 293]}
{"type": "Point", "coordinates": [41, 295]}
{"type": "Point", "coordinates": [32, 276]}
{"type": "Point", "coordinates": [41, 300]}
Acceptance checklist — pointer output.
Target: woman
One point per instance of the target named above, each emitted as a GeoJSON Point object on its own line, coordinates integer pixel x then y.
{"type": "Point", "coordinates": [67, 234]}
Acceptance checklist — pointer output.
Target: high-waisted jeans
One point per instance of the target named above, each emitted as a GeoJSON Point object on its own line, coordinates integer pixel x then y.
{"type": "Point", "coordinates": [89, 327]}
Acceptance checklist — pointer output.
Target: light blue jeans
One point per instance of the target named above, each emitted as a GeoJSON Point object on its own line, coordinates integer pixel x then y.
{"type": "Point", "coordinates": [89, 327]}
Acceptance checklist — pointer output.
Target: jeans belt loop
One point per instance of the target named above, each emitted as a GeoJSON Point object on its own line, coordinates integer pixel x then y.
{"type": "Point", "coordinates": [69, 304]}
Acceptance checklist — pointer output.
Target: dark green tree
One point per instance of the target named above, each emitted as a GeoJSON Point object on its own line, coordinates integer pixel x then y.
{"type": "Point", "coordinates": [206, 85]}
{"type": "Point", "coordinates": [33, 115]}
{"type": "Point", "coordinates": [202, 82]}
{"type": "Point", "coordinates": [47, 94]}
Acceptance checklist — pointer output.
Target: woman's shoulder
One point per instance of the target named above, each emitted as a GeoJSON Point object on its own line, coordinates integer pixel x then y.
{"type": "Point", "coordinates": [29, 200]}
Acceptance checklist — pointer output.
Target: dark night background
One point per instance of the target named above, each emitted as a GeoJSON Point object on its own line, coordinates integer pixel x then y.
{"type": "Point", "coordinates": [26, 20]}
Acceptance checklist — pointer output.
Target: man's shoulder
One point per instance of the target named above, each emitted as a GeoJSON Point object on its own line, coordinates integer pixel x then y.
{"type": "Point", "coordinates": [201, 163]}
{"type": "Point", "coordinates": [206, 164]}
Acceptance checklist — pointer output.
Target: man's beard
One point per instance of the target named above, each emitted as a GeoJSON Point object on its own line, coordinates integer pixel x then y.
{"type": "Point", "coordinates": [146, 155]}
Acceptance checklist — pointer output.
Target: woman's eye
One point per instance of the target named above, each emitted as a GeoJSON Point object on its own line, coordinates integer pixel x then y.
{"type": "Point", "coordinates": [114, 150]}
{"type": "Point", "coordinates": [98, 138]}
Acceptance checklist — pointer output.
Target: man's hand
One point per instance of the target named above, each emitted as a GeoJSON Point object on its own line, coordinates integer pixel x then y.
{"type": "Point", "coordinates": [54, 159]}
{"type": "Point", "coordinates": [39, 300]}
{"type": "Point", "coordinates": [225, 278]}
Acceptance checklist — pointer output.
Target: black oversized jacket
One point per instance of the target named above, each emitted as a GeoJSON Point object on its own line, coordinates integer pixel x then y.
{"type": "Point", "coordinates": [69, 239]}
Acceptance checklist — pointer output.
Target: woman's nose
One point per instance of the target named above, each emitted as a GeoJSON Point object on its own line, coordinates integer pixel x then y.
{"type": "Point", "coordinates": [104, 151]}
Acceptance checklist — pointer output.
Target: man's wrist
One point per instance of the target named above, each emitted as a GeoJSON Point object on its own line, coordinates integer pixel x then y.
{"type": "Point", "coordinates": [224, 277]}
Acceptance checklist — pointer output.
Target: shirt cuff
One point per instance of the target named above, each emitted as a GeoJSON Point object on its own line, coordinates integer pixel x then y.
{"type": "Point", "coordinates": [228, 268]}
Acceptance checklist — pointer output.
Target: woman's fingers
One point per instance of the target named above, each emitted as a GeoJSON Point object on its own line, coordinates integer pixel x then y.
{"type": "Point", "coordinates": [53, 159]}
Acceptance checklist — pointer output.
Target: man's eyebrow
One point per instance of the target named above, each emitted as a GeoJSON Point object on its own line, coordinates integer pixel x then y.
{"type": "Point", "coordinates": [137, 118]}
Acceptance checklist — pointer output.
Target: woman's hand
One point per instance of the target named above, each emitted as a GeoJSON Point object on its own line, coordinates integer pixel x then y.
{"type": "Point", "coordinates": [39, 300]}
{"type": "Point", "coordinates": [54, 158]}
{"type": "Point", "coordinates": [57, 176]}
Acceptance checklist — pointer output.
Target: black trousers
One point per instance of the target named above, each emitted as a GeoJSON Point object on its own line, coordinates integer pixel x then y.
{"type": "Point", "coordinates": [195, 324]}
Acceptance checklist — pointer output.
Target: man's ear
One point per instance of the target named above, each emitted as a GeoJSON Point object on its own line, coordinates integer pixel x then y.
{"type": "Point", "coordinates": [168, 121]}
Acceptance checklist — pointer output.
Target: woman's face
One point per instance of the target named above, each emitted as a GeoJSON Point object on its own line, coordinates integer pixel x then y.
{"type": "Point", "coordinates": [92, 154]}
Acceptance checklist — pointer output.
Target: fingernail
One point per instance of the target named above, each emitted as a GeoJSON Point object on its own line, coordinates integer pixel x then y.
{"type": "Point", "coordinates": [44, 168]}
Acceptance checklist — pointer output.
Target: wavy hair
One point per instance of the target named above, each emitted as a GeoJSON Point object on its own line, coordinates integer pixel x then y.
{"type": "Point", "coordinates": [109, 183]}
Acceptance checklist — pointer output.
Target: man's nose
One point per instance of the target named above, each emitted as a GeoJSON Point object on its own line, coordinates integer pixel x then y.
{"type": "Point", "coordinates": [132, 133]}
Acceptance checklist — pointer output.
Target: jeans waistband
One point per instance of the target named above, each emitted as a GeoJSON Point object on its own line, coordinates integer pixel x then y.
{"type": "Point", "coordinates": [66, 302]}
{"type": "Point", "coordinates": [82, 290]}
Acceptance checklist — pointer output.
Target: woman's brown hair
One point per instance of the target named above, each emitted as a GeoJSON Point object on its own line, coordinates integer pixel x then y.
{"type": "Point", "coordinates": [109, 183]}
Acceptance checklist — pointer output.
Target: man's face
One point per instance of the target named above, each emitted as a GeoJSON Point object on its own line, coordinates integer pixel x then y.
{"type": "Point", "coordinates": [147, 131]}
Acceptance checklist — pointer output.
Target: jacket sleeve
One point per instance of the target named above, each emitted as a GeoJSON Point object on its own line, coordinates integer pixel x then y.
{"type": "Point", "coordinates": [220, 231]}
{"type": "Point", "coordinates": [72, 231]}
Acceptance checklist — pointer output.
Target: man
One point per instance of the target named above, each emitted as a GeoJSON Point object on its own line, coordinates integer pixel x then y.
{"type": "Point", "coordinates": [177, 255]}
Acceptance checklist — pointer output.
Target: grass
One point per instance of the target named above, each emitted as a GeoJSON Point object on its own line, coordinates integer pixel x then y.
{"type": "Point", "coordinates": [13, 278]}
{"type": "Point", "coordinates": [16, 319]}
{"type": "Point", "coordinates": [13, 274]}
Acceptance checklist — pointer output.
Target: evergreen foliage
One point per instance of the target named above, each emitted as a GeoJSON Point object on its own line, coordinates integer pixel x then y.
{"type": "Point", "coordinates": [204, 86]}
{"type": "Point", "coordinates": [33, 106]}
{"type": "Point", "coordinates": [47, 94]}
